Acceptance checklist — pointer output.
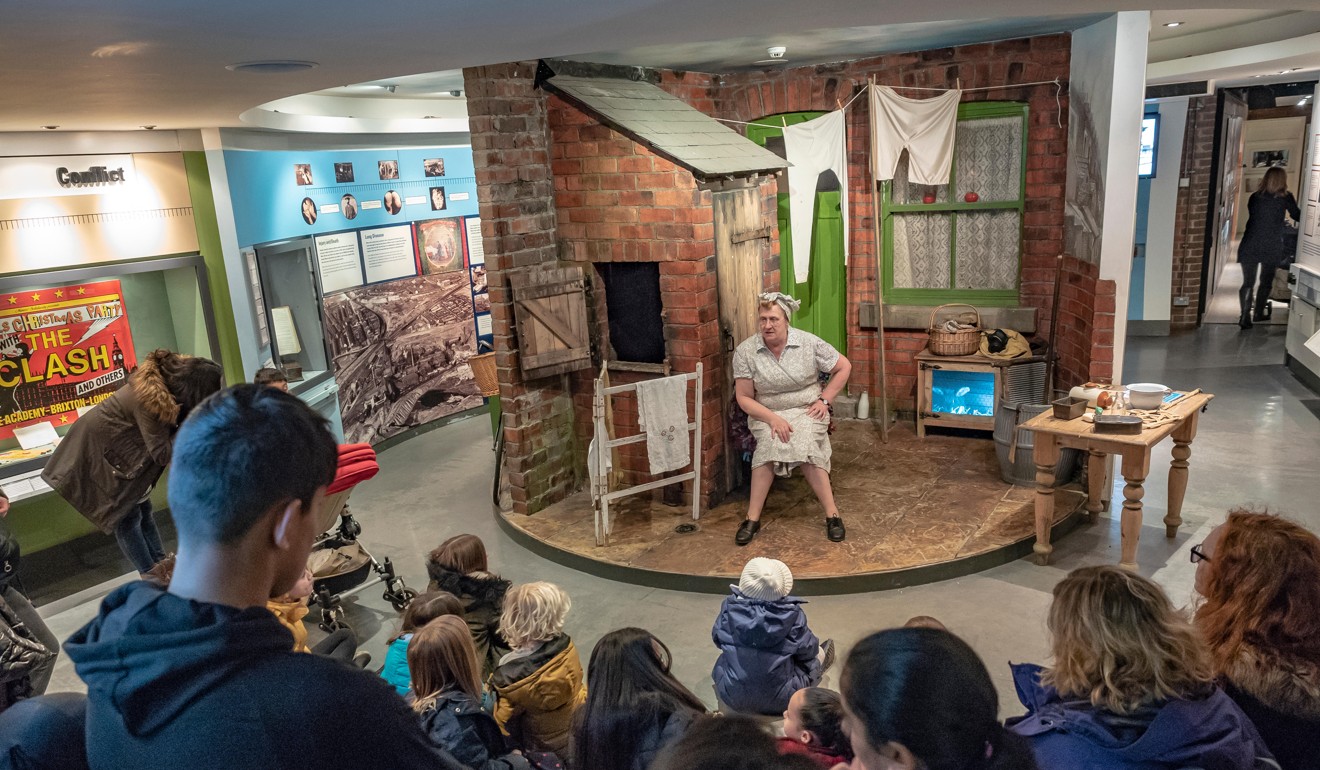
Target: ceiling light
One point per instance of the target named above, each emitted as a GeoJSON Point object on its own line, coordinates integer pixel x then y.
{"type": "Point", "coordinates": [272, 66]}
{"type": "Point", "coordinates": [1172, 24]}
{"type": "Point", "coordinates": [777, 51]}
{"type": "Point", "coordinates": [118, 49]}
{"type": "Point", "coordinates": [456, 93]}
{"type": "Point", "coordinates": [149, 128]}
{"type": "Point", "coordinates": [50, 128]}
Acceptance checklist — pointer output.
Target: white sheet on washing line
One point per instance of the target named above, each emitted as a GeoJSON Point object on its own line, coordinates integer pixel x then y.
{"type": "Point", "coordinates": [813, 147]}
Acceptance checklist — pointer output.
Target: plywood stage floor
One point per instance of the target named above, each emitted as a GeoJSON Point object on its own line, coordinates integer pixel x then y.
{"type": "Point", "coordinates": [916, 511]}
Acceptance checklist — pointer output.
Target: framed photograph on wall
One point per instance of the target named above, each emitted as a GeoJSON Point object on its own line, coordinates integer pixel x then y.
{"type": "Point", "coordinates": [302, 172]}
{"type": "Point", "coordinates": [434, 166]}
{"type": "Point", "coordinates": [388, 169]}
{"type": "Point", "coordinates": [440, 245]}
{"type": "Point", "coordinates": [343, 173]}
{"type": "Point", "coordinates": [1269, 158]}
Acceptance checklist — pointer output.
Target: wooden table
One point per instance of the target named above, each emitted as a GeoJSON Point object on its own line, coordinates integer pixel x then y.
{"type": "Point", "coordinates": [1052, 434]}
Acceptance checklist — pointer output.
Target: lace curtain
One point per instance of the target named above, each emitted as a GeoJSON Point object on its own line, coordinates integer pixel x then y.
{"type": "Point", "coordinates": [988, 158]}
{"type": "Point", "coordinates": [921, 250]}
{"type": "Point", "coordinates": [987, 249]}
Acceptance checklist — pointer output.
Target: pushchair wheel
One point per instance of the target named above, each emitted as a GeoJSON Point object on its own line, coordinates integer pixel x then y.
{"type": "Point", "coordinates": [400, 600]}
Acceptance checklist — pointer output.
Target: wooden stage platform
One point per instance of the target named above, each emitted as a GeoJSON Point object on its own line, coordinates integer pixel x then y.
{"type": "Point", "coordinates": [917, 511]}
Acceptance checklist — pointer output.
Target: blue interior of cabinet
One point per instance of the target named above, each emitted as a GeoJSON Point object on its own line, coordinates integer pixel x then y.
{"type": "Point", "coordinates": [971, 393]}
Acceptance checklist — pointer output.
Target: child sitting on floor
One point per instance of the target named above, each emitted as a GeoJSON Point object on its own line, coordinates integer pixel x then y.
{"type": "Point", "coordinates": [445, 670]}
{"type": "Point", "coordinates": [539, 685]}
{"type": "Point", "coordinates": [813, 725]}
{"type": "Point", "coordinates": [291, 608]}
{"type": "Point", "coordinates": [422, 610]}
{"type": "Point", "coordinates": [767, 652]}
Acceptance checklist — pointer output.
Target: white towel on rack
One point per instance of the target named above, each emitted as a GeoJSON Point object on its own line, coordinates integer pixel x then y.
{"type": "Point", "coordinates": [662, 414]}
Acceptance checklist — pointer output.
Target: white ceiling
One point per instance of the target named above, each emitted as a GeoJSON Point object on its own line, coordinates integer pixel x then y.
{"type": "Point", "coordinates": [97, 65]}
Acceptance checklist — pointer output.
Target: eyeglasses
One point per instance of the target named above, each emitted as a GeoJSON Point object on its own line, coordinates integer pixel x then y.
{"type": "Point", "coordinates": [1198, 553]}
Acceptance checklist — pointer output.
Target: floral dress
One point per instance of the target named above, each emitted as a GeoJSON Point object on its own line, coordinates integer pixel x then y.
{"type": "Point", "coordinates": [787, 386]}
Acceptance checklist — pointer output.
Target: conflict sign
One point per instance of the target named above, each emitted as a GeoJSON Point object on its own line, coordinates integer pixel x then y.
{"type": "Point", "coordinates": [61, 348]}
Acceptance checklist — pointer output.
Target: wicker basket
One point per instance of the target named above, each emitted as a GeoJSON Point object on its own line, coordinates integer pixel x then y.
{"type": "Point", "coordinates": [483, 368]}
{"type": "Point", "coordinates": [962, 343]}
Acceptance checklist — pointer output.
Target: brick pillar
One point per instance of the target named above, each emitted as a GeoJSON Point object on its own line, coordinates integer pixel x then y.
{"type": "Point", "coordinates": [1189, 236]}
{"type": "Point", "coordinates": [511, 151]}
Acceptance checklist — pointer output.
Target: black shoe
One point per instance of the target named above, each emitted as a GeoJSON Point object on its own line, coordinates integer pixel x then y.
{"type": "Point", "coordinates": [827, 660]}
{"type": "Point", "coordinates": [1245, 321]}
{"type": "Point", "coordinates": [834, 529]}
{"type": "Point", "coordinates": [1260, 317]}
{"type": "Point", "coordinates": [746, 531]}
{"type": "Point", "coordinates": [362, 659]}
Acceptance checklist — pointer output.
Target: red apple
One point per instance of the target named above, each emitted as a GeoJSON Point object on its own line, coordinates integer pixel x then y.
{"type": "Point", "coordinates": [928, 198]}
{"type": "Point", "coordinates": [971, 197]}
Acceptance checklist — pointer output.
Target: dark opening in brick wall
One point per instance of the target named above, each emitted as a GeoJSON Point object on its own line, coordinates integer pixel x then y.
{"type": "Point", "coordinates": [636, 315]}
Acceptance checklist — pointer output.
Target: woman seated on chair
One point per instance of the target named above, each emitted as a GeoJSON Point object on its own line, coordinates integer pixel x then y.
{"type": "Point", "coordinates": [777, 382]}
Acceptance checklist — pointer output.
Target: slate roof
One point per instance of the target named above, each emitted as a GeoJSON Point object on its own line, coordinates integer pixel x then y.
{"type": "Point", "coordinates": [667, 125]}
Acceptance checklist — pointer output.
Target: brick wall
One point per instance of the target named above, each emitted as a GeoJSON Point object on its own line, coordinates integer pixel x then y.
{"type": "Point", "coordinates": [511, 150]}
{"type": "Point", "coordinates": [1193, 205]}
{"type": "Point", "coordinates": [747, 96]}
{"type": "Point", "coordinates": [617, 201]}
{"type": "Point", "coordinates": [1086, 325]}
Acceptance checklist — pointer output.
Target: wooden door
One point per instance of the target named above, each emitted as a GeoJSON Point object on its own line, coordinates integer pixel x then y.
{"type": "Point", "coordinates": [550, 311]}
{"type": "Point", "coordinates": [742, 244]}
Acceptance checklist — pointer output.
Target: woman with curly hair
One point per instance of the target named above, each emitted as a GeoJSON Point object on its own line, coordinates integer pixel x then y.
{"type": "Point", "coordinates": [1131, 685]}
{"type": "Point", "coordinates": [1260, 579]}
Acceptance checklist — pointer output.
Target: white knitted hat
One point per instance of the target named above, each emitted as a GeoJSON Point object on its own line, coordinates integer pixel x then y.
{"type": "Point", "coordinates": [768, 580]}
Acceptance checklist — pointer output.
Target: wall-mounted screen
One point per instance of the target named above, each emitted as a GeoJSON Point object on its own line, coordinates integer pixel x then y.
{"type": "Point", "coordinates": [1150, 137]}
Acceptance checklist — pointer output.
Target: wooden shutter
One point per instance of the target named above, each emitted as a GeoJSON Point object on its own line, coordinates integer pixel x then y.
{"type": "Point", "coordinates": [550, 309]}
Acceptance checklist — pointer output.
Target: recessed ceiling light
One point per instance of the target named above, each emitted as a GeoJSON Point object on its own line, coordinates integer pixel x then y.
{"type": "Point", "coordinates": [1172, 24]}
{"type": "Point", "coordinates": [149, 128]}
{"type": "Point", "coordinates": [50, 128]}
{"type": "Point", "coordinates": [272, 66]}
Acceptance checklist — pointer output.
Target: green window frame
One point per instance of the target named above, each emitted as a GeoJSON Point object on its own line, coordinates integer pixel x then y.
{"type": "Point", "coordinates": [946, 205]}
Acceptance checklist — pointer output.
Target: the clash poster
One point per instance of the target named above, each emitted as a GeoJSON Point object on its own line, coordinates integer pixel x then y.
{"type": "Point", "coordinates": [61, 348]}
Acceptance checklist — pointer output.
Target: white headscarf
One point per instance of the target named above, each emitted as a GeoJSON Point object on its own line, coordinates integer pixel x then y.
{"type": "Point", "coordinates": [785, 302]}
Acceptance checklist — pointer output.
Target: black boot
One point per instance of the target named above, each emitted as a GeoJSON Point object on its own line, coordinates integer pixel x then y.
{"type": "Point", "coordinates": [746, 531]}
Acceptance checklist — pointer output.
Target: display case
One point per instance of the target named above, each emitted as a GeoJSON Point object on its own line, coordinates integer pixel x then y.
{"type": "Point", "coordinates": [291, 302]}
{"type": "Point", "coordinates": [70, 338]}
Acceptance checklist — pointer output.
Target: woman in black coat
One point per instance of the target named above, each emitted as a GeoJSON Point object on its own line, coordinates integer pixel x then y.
{"type": "Point", "coordinates": [1262, 243]}
{"type": "Point", "coordinates": [107, 464]}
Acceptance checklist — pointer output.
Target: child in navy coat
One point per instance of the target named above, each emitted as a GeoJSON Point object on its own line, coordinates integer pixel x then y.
{"type": "Point", "coordinates": [767, 652]}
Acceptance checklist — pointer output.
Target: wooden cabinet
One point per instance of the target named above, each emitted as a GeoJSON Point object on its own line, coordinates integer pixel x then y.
{"type": "Point", "coordinates": [965, 391]}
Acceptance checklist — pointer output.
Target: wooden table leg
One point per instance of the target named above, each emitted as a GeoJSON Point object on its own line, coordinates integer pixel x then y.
{"type": "Point", "coordinates": [1095, 484]}
{"type": "Point", "coordinates": [1046, 456]}
{"type": "Point", "coordinates": [1182, 449]}
{"type": "Point", "coordinates": [1136, 464]}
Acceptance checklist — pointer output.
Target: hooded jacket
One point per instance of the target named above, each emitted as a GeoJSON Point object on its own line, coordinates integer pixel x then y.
{"type": "Point", "coordinates": [537, 695]}
{"type": "Point", "coordinates": [1282, 700]}
{"type": "Point", "coordinates": [482, 595]}
{"type": "Point", "coordinates": [173, 682]}
{"type": "Point", "coordinates": [457, 724]}
{"type": "Point", "coordinates": [114, 454]}
{"type": "Point", "coordinates": [1210, 733]}
{"type": "Point", "coordinates": [767, 653]}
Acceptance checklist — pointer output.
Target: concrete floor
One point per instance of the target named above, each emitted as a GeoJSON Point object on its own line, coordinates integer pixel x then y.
{"type": "Point", "coordinates": [1257, 444]}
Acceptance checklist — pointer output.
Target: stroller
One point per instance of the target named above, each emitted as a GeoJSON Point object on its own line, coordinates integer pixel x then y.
{"type": "Point", "coordinates": [340, 564]}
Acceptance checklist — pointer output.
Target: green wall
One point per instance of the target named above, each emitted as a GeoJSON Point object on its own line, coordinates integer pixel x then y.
{"type": "Point", "coordinates": [208, 241]}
